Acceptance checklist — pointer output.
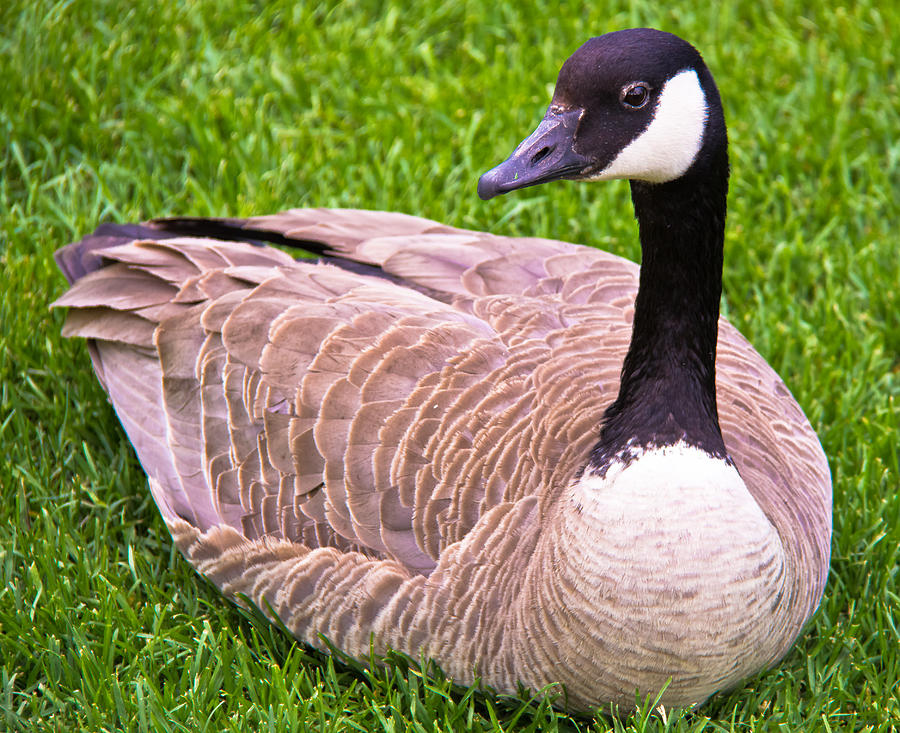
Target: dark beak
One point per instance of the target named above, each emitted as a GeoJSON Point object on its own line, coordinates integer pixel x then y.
{"type": "Point", "coordinates": [548, 154]}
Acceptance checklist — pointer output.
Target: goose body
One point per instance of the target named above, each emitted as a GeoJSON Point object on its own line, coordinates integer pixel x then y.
{"type": "Point", "coordinates": [522, 458]}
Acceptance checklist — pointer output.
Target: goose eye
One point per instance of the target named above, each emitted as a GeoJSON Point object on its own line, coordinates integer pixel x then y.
{"type": "Point", "coordinates": [635, 96]}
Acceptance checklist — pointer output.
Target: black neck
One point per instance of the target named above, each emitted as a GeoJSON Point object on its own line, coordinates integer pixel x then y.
{"type": "Point", "coordinates": [668, 392]}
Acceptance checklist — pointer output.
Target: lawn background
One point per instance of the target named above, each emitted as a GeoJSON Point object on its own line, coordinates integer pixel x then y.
{"type": "Point", "coordinates": [113, 111]}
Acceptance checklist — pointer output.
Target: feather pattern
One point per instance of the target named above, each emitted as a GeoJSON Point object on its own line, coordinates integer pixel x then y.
{"type": "Point", "coordinates": [367, 459]}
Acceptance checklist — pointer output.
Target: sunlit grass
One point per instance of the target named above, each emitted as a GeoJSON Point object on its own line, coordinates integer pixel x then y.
{"type": "Point", "coordinates": [122, 111]}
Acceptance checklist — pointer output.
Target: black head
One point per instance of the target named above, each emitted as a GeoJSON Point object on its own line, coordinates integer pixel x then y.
{"type": "Point", "coordinates": [637, 104]}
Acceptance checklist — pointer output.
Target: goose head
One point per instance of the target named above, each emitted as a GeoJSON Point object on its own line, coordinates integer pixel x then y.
{"type": "Point", "coordinates": [637, 104]}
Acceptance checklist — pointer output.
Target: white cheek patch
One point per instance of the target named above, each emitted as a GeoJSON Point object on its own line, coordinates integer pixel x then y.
{"type": "Point", "coordinates": [667, 148]}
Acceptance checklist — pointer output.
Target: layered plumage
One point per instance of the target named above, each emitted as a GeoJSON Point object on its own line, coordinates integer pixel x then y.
{"type": "Point", "coordinates": [395, 445]}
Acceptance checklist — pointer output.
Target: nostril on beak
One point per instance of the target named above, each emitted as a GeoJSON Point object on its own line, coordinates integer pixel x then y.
{"type": "Point", "coordinates": [541, 154]}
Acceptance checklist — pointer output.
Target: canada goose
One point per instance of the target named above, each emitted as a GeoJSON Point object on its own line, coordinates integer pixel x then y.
{"type": "Point", "coordinates": [424, 440]}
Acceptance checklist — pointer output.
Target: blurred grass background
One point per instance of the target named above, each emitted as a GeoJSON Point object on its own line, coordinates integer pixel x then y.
{"type": "Point", "coordinates": [123, 111]}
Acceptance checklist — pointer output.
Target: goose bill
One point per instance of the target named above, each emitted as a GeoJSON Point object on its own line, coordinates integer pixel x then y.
{"type": "Point", "coordinates": [548, 154]}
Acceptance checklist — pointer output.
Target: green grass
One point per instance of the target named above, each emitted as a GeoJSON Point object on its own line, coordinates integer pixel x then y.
{"type": "Point", "coordinates": [123, 111]}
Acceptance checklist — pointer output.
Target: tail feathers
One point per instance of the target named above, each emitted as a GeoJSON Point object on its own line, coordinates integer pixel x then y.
{"type": "Point", "coordinates": [86, 255]}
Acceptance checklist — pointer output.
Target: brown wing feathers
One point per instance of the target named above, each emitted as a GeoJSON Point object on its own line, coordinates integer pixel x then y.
{"type": "Point", "coordinates": [301, 401]}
